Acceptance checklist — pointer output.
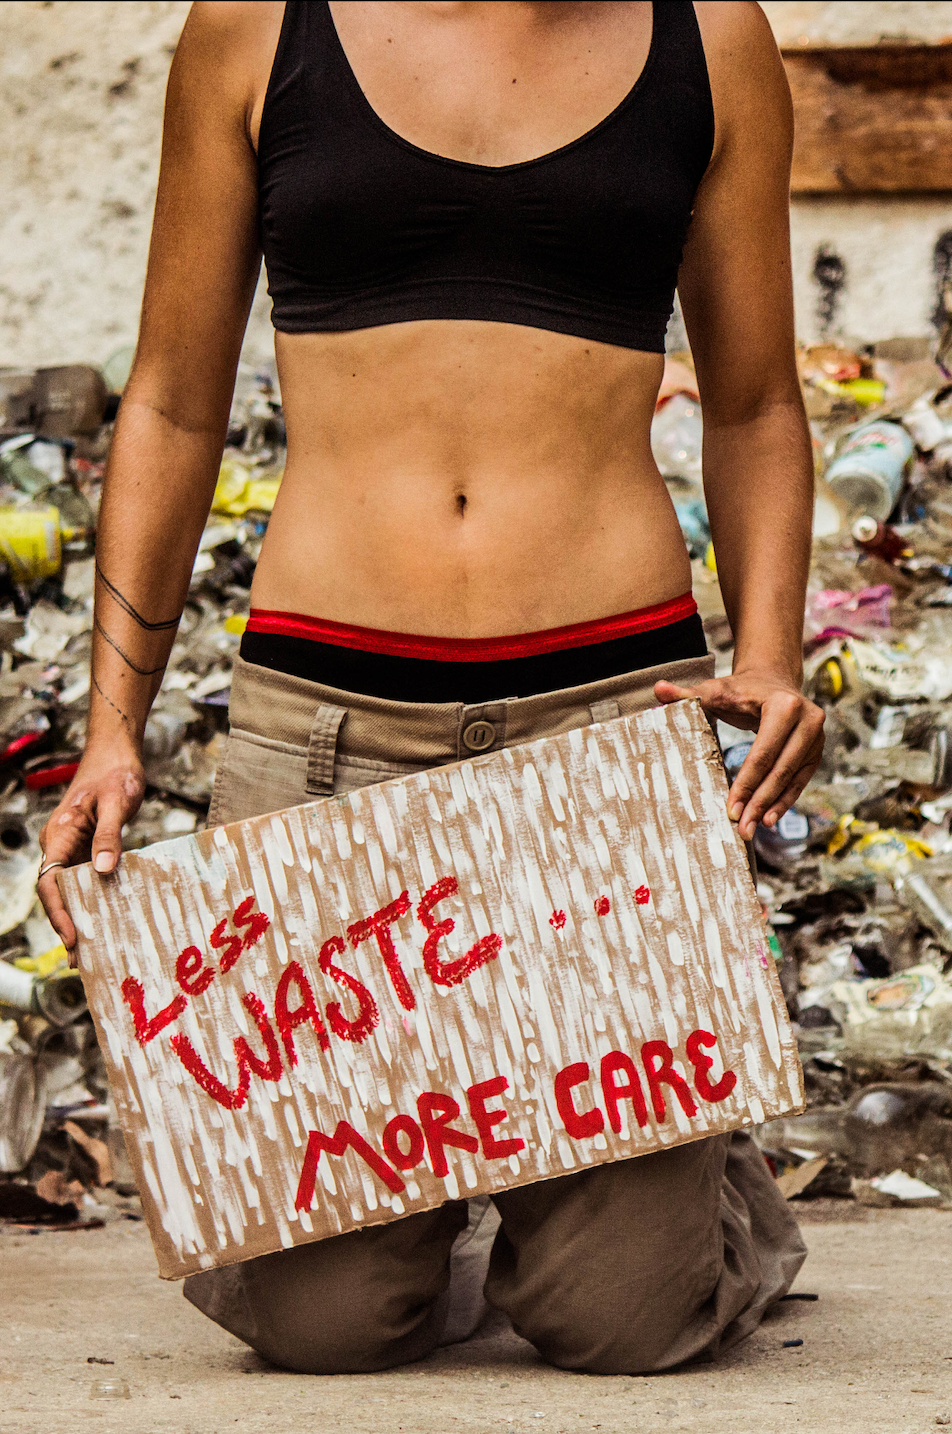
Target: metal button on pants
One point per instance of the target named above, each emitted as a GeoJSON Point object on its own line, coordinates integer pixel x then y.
{"type": "Point", "coordinates": [479, 736]}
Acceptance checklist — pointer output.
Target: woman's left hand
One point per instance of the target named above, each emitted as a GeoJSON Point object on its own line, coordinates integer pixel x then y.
{"type": "Point", "coordinates": [786, 750]}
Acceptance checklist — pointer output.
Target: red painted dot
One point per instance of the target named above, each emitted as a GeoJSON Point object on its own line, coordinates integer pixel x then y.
{"type": "Point", "coordinates": [642, 895]}
{"type": "Point", "coordinates": [602, 906]}
{"type": "Point", "coordinates": [557, 919]}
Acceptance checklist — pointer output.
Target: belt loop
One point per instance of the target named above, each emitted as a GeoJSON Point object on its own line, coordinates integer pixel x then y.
{"type": "Point", "coordinates": [322, 749]}
{"type": "Point", "coordinates": [605, 711]}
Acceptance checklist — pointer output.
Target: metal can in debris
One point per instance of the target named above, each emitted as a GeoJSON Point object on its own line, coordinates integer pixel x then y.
{"type": "Point", "coordinates": [30, 541]}
{"type": "Point", "coordinates": [870, 468]}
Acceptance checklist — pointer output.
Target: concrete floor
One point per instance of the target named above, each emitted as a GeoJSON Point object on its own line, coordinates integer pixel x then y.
{"type": "Point", "coordinates": [876, 1357]}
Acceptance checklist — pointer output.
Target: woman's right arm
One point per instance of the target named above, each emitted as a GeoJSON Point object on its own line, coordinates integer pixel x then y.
{"type": "Point", "coordinates": [170, 431]}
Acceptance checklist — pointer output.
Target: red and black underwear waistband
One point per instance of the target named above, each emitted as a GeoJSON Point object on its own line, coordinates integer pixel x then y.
{"type": "Point", "coordinates": [472, 649]}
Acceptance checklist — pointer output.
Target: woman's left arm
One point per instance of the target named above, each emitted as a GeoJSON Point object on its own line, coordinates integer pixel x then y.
{"type": "Point", "coordinates": [736, 293]}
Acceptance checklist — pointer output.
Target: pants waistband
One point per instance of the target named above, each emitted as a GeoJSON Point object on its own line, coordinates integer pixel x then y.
{"type": "Point", "coordinates": [292, 712]}
{"type": "Point", "coordinates": [473, 649]}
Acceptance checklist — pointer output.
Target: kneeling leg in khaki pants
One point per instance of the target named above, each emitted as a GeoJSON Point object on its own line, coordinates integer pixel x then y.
{"type": "Point", "coordinates": [624, 1268]}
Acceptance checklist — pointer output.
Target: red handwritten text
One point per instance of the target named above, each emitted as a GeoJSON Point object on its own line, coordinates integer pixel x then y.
{"type": "Point", "coordinates": [295, 1002]}
{"type": "Point", "coordinates": [439, 1124]}
{"type": "Point", "coordinates": [426, 1138]}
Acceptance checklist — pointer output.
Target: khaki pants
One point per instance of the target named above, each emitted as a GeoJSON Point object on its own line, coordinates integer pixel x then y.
{"type": "Point", "coordinates": [624, 1268]}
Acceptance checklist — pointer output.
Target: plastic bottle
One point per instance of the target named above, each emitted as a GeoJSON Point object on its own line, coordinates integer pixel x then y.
{"type": "Point", "coordinates": [819, 1131]}
{"type": "Point", "coordinates": [884, 1127]}
{"type": "Point", "coordinates": [869, 471]}
{"type": "Point", "coordinates": [878, 539]}
{"type": "Point", "coordinates": [928, 893]}
{"type": "Point", "coordinates": [163, 736]}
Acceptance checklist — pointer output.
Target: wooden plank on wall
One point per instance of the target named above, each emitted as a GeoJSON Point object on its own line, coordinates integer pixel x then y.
{"type": "Point", "coordinates": [872, 119]}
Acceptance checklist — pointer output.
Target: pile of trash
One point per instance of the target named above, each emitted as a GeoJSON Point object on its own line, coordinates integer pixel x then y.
{"type": "Point", "coordinates": [856, 880]}
{"type": "Point", "coordinates": [58, 1133]}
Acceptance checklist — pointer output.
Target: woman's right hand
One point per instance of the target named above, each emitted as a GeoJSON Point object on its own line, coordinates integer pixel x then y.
{"type": "Point", "coordinates": [105, 793]}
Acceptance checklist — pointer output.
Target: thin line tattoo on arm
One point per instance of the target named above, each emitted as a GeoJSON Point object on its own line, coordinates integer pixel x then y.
{"type": "Point", "coordinates": [127, 607]}
{"type": "Point", "coordinates": [142, 671]}
{"type": "Point", "coordinates": [123, 715]}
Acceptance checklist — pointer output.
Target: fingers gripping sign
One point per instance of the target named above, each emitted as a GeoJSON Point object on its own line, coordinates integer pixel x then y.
{"type": "Point", "coordinates": [86, 825]}
{"type": "Point", "coordinates": [786, 750]}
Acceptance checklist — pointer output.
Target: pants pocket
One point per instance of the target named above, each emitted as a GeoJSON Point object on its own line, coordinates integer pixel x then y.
{"type": "Point", "coordinates": [255, 776]}
{"type": "Point", "coordinates": [351, 773]}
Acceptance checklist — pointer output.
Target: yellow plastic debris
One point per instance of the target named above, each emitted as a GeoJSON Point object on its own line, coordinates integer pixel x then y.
{"type": "Point", "coordinates": [236, 623]}
{"type": "Point", "coordinates": [238, 491]}
{"type": "Point", "coordinates": [30, 541]}
{"type": "Point", "coordinates": [830, 679]}
{"type": "Point", "coordinates": [45, 964]}
{"type": "Point", "coordinates": [883, 849]}
{"type": "Point", "coordinates": [867, 391]}
{"type": "Point", "coordinates": [891, 851]}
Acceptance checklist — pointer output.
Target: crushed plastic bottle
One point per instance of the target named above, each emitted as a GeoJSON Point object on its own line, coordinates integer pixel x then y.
{"type": "Point", "coordinates": [60, 999]}
{"type": "Point", "coordinates": [30, 465]}
{"type": "Point", "coordinates": [240, 489]}
{"type": "Point", "coordinates": [884, 1126]}
{"type": "Point", "coordinates": [22, 1104]}
{"type": "Point", "coordinates": [870, 467]}
{"type": "Point", "coordinates": [785, 842]}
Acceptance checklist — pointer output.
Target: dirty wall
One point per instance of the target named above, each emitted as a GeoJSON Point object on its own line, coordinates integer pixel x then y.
{"type": "Point", "coordinates": [81, 92]}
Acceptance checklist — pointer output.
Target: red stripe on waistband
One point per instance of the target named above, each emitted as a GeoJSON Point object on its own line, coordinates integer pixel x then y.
{"type": "Point", "coordinates": [472, 649]}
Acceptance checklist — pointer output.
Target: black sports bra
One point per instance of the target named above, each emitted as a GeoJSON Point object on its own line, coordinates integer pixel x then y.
{"type": "Point", "coordinates": [360, 227]}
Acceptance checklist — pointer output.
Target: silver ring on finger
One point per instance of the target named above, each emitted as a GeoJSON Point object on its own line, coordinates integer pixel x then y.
{"type": "Point", "coordinates": [48, 866]}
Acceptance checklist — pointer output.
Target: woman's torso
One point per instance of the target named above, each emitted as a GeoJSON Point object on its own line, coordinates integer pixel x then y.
{"type": "Point", "coordinates": [463, 476]}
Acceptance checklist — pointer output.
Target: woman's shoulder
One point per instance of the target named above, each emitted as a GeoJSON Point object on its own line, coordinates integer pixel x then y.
{"type": "Point", "coordinates": [738, 40]}
{"type": "Point", "coordinates": [734, 22]}
{"type": "Point", "coordinates": [748, 80]}
{"type": "Point", "coordinates": [232, 21]}
{"type": "Point", "coordinates": [231, 44]}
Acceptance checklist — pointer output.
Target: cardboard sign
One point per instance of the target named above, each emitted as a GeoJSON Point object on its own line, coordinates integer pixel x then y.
{"type": "Point", "coordinates": [468, 979]}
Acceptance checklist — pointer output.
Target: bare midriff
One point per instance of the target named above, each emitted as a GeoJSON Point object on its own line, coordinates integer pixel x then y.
{"type": "Point", "coordinates": [468, 479]}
